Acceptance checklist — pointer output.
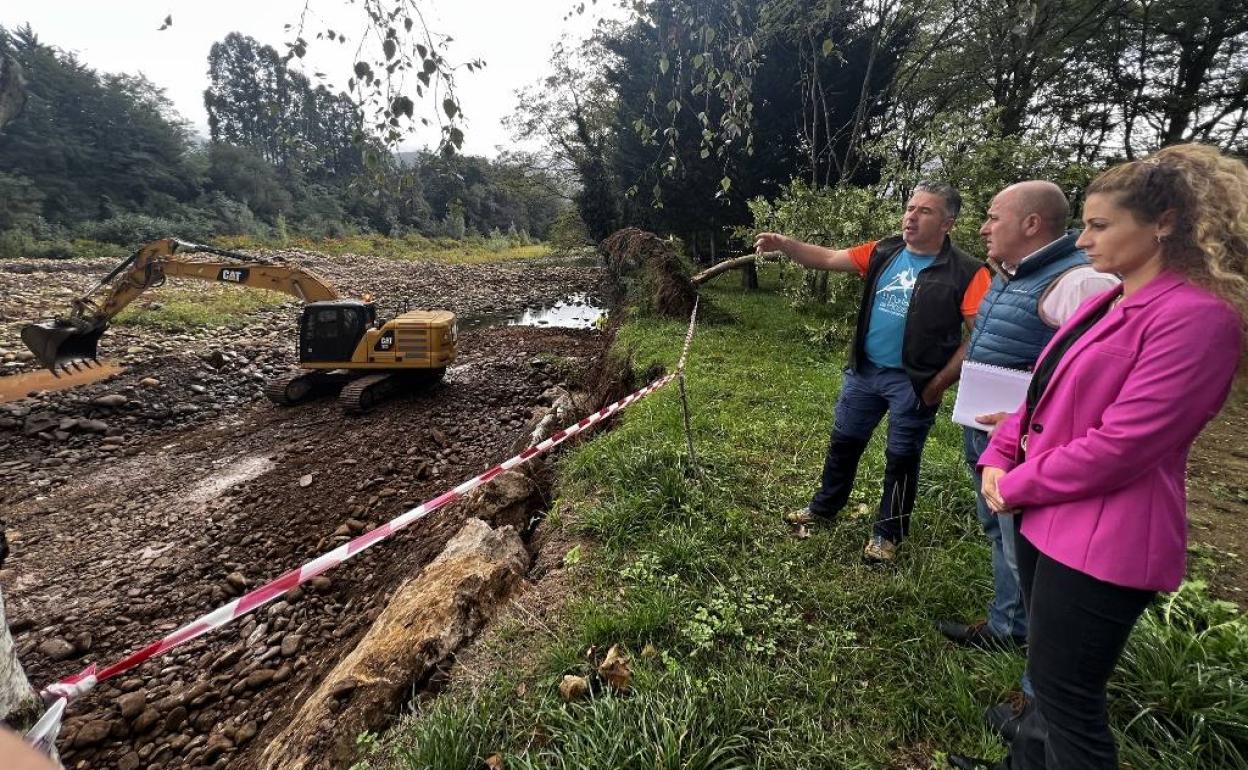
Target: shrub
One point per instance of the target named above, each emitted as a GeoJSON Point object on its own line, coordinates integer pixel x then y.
{"type": "Point", "coordinates": [15, 244]}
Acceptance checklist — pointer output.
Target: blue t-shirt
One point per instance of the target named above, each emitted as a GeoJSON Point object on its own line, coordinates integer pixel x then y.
{"type": "Point", "coordinates": [887, 326]}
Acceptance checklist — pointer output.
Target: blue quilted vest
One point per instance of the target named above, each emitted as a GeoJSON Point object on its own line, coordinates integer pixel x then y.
{"type": "Point", "coordinates": [1008, 330]}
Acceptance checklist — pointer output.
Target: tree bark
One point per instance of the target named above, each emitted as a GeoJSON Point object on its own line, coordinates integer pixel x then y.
{"type": "Point", "coordinates": [19, 703]}
{"type": "Point", "coordinates": [726, 265]}
{"type": "Point", "coordinates": [749, 276]}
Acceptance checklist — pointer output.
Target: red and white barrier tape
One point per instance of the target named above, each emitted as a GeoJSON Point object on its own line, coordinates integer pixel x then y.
{"type": "Point", "coordinates": [60, 694]}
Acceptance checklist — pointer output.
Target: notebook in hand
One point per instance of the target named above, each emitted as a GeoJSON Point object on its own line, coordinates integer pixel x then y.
{"type": "Point", "coordinates": [985, 389]}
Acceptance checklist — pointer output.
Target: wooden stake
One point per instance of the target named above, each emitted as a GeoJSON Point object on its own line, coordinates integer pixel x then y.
{"type": "Point", "coordinates": [684, 403]}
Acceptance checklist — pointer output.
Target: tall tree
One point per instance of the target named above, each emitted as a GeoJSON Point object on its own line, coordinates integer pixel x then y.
{"type": "Point", "coordinates": [91, 144]}
{"type": "Point", "coordinates": [254, 101]}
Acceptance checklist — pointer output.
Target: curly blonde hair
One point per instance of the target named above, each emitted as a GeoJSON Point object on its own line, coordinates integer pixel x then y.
{"type": "Point", "coordinates": [1207, 192]}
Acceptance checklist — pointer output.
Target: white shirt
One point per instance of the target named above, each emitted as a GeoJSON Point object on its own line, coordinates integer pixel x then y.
{"type": "Point", "coordinates": [1068, 292]}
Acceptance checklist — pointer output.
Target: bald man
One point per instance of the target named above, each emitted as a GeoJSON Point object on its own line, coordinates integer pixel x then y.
{"type": "Point", "coordinates": [1042, 280]}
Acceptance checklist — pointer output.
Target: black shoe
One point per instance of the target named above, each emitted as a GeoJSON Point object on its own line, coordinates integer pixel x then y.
{"type": "Point", "coordinates": [962, 762]}
{"type": "Point", "coordinates": [1006, 718]}
{"type": "Point", "coordinates": [977, 635]}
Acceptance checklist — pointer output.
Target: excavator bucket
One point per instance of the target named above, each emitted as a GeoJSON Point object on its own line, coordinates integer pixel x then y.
{"type": "Point", "coordinates": [60, 344]}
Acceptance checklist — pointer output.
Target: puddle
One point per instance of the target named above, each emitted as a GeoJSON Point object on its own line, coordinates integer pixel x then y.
{"type": "Point", "coordinates": [236, 472]}
{"type": "Point", "coordinates": [18, 386]}
{"type": "Point", "coordinates": [575, 311]}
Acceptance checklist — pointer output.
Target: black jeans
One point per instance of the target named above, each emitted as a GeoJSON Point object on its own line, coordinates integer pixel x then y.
{"type": "Point", "coordinates": [1079, 626]}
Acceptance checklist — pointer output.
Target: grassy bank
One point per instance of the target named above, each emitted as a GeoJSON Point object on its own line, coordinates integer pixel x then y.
{"type": "Point", "coordinates": [213, 306]}
{"type": "Point", "coordinates": [471, 251]}
{"type": "Point", "coordinates": [767, 651]}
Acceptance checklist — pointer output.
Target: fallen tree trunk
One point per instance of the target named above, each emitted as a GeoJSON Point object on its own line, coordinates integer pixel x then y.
{"type": "Point", "coordinates": [722, 267]}
{"type": "Point", "coordinates": [426, 620]}
{"type": "Point", "coordinates": [19, 703]}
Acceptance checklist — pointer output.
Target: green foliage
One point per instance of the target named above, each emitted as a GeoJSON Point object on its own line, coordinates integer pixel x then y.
{"type": "Point", "coordinates": [973, 157]}
{"type": "Point", "coordinates": [69, 144]}
{"type": "Point", "coordinates": [1184, 682]}
{"type": "Point", "coordinates": [132, 229]}
{"type": "Point", "coordinates": [254, 101]}
{"type": "Point", "coordinates": [569, 232]}
{"type": "Point", "coordinates": [836, 217]}
{"type": "Point", "coordinates": [456, 738]}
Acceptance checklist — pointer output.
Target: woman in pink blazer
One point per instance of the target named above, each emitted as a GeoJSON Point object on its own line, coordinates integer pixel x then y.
{"type": "Point", "coordinates": [1094, 459]}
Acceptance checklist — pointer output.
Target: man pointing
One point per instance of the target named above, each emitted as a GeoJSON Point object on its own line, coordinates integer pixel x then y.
{"type": "Point", "coordinates": [919, 291]}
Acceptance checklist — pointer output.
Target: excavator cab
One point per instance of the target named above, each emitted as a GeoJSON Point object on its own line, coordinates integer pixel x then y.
{"type": "Point", "coordinates": [329, 331]}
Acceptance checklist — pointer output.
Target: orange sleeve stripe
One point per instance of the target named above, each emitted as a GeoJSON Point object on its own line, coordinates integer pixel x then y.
{"type": "Point", "coordinates": [861, 255]}
{"type": "Point", "coordinates": [975, 292]}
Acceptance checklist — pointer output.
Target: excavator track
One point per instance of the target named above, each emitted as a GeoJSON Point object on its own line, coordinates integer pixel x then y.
{"type": "Point", "coordinates": [363, 393]}
{"type": "Point", "coordinates": [302, 385]}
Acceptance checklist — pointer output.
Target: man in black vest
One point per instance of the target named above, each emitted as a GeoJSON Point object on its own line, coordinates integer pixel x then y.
{"type": "Point", "coordinates": [919, 292]}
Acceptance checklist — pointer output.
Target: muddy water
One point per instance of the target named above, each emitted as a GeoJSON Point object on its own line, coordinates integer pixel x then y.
{"type": "Point", "coordinates": [18, 386]}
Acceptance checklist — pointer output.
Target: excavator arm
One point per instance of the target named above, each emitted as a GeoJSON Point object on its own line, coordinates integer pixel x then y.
{"type": "Point", "coordinates": [74, 341]}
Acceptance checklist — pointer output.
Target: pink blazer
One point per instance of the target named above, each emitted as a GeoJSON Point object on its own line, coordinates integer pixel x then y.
{"type": "Point", "coordinates": [1102, 487]}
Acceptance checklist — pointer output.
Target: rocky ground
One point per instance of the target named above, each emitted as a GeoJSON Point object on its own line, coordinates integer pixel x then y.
{"type": "Point", "coordinates": [137, 503]}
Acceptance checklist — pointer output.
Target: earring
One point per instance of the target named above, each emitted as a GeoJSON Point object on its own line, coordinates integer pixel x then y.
{"type": "Point", "coordinates": [1160, 238]}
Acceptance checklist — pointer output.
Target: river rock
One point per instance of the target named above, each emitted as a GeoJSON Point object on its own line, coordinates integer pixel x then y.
{"type": "Point", "coordinates": [129, 761]}
{"type": "Point", "coordinates": [93, 733]}
{"type": "Point", "coordinates": [146, 720]}
{"type": "Point", "coordinates": [259, 679]}
{"type": "Point", "coordinates": [175, 719]}
{"type": "Point", "coordinates": [246, 732]}
{"type": "Point", "coordinates": [56, 649]}
{"type": "Point", "coordinates": [132, 703]}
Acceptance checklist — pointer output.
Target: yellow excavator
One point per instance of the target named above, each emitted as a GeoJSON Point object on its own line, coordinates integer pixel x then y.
{"type": "Point", "coordinates": [342, 345]}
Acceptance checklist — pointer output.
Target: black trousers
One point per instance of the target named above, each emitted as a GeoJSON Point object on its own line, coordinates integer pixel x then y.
{"type": "Point", "coordinates": [1079, 626]}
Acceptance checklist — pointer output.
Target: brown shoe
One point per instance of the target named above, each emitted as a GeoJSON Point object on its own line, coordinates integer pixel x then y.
{"type": "Point", "coordinates": [799, 518]}
{"type": "Point", "coordinates": [1007, 717]}
{"type": "Point", "coordinates": [804, 517]}
{"type": "Point", "coordinates": [879, 550]}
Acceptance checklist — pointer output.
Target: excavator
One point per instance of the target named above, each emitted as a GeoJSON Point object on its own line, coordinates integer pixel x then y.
{"type": "Point", "coordinates": [342, 345]}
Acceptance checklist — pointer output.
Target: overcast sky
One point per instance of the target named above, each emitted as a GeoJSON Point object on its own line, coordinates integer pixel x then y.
{"type": "Point", "coordinates": [514, 37]}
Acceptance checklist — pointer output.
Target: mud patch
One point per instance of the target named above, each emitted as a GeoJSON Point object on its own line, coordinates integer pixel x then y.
{"type": "Point", "coordinates": [20, 386]}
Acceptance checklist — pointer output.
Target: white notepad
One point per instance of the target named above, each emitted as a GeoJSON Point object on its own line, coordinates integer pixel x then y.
{"type": "Point", "coordinates": [985, 389]}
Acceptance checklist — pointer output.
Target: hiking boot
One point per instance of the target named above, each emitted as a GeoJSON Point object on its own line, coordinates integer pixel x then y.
{"type": "Point", "coordinates": [1005, 718]}
{"type": "Point", "coordinates": [804, 517]}
{"type": "Point", "coordinates": [879, 550]}
{"type": "Point", "coordinates": [977, 635]}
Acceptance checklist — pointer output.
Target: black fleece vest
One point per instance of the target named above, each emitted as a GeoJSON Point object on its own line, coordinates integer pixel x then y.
{"type": "Point", "coordinates": [934, 320]}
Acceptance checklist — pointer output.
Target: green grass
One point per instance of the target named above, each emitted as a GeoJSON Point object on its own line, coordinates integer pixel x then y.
{"type": "Point", "coordinates": [175, 309]}
{"type": "Point", "coordinates": [775, 652]}
{"type": "Point", "coordinates": [471, 251]}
